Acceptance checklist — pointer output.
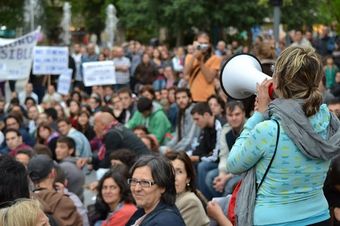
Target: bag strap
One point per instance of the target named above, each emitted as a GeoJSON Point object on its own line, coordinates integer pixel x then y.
{"type": "Point", "coordinates": [271, 161]}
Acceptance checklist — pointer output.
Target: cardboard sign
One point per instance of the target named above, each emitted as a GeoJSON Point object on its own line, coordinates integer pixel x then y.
{"type": "Point", "coordinates": [64, 82]}
{"type": "Point", "coordinates": [99, 73]}
{"type": "Point", "coordinates": [16, 56]}
{"type": "Point", "coordinates": [50, 60]}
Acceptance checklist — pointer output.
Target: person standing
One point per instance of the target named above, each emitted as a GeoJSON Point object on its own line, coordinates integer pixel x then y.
{"type": "Point", "coordinates": [305, 135]}
{"type": "Point", "coordinates": [122, 66]}
{"type": "Point", "coordinates": [201, 69]}
{"type": "Point", "coordinates": [78, 80]}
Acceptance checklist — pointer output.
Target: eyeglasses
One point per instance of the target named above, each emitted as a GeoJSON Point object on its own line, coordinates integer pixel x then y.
{"type": "Point", "coordinates": [143, 183]}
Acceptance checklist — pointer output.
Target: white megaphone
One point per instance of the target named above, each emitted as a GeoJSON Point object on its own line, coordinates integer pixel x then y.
{"type": "Point", "coordinates": [240, 74]}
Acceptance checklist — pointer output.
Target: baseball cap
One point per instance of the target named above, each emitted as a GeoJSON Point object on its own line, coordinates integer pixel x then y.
{"type": "Point", "coordinates": [39, 167]}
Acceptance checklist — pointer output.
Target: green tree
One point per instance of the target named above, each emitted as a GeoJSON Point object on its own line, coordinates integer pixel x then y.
{"type": "Point", "coordinates": [11, 13]}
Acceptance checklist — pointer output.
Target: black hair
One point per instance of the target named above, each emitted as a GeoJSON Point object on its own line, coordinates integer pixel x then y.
{"type": "Point", "coordinates": [51, 112]}
{"type": "Point", "coordinates": [201, 108]}
{"type": "Point", "coordinates": [15, 117]}
{"type": "Point", "coordinates": [14, 180]}
{"type": "Point", "coordinates": [119, 173]}
{"type": "Point", "coordinates": [64, 120]}
{"type": "Point", "coordinates": [141, 127]}
{"type": "Point", "coordinates": [27, 152]}
{"type": "Point", "coordinates": [15, 101]}
{"type": "Point", "coordinates": [71, 144]}
{"type": "Point", "coordinates": [144, 104]}
{"type": "Point", "coordinates": [76, 93]}
{"type": "Point", "coordinates": [182, 156]}
{"type": "Point", "coordinates": [219, 100]}
{"type": "Point", "coordinates": [32, 99]}
{"type": "Point", "coordinates": [125, 90]}
{"type": "Point", "coordinates": [335, 100]}
{"type": "Point", "coordinates": [126, 156]}
{"type": "Point", "coordinates": [12, 130]}
{"type": "Point", "coordinates": [183, 90]}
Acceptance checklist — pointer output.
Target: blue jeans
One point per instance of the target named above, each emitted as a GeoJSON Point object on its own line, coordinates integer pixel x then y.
{"type": "Point", "coordinates": [209, 179]}
{"type": "Point", "coordinates": [231, 183]}
{"type": "Point", "coordinates": [203, 169]}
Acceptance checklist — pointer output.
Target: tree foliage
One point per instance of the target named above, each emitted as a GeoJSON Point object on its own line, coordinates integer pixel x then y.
{"type": "Point", "coordinates": [11, 13]}
{"type": "Point", "coordinates": [142, 19]}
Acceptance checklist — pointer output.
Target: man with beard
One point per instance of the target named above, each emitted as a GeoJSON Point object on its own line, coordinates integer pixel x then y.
{"type": "Point", "coordinates": [201, 69]}
{"type": "Point", "coordinates": [186, 129]}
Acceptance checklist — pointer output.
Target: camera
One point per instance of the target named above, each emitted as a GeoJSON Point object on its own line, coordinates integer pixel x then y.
{"type": "Point", "coordinates": [202, 47]}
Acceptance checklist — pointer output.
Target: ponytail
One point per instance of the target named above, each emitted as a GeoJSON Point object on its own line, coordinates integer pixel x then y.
{"type": "Point", "coordinates": [312, 102]}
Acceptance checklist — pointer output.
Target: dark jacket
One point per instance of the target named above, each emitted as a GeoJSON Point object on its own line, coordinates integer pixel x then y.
{"type": "Point", "coordinates": [163, 214]}
{"type": "Point", "coordinates": [119, 137]}
{"type": "Point", "coordinates": [146, 74]}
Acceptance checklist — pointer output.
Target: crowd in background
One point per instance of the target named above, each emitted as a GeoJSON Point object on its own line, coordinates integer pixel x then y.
{"type": "Point", "coordinates": [166, 102]}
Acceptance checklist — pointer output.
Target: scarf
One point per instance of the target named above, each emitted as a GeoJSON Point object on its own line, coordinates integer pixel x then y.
{"type": "Point", "coordinates": [298, 128]}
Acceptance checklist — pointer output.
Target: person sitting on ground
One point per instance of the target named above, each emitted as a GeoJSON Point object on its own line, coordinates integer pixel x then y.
{"type": "Point", "coordinates": [334, 106]}
{"type": "Point", "coordinates": [61, 184]}
{"type": "Point", "coordinates": [83, 147]}
{"type": "Point", "coordinates": [47, 136]}
{"type": "Point", "coordinates": [114, 204]}
{"type": "Point", "coordinates": [65, 156]}
{"type": "Point", "coordinates": [14, 142]}
{"type": "Point", "coordinates": [152, 184]}
{"type": "Point", "coordinates": [41, 170]}
{"type": "Point", "coordinates": [151, 115]}
{"type": "Point", "coordinates": [25, 212]}
{"type": "Point", "coordinates": [113, 136]}
{"type": "Point", "coordinates": [24, 156]}
{"type": "Point", "coordinates": [187, 201]}
{"type": "Point", "coordinates": [186, 130]}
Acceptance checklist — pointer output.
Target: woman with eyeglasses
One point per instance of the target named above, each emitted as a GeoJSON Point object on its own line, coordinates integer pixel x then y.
{"type": "Point", "coordinates": [113, 205]}
{"type": "Point", "coordinates": [152, 184]}
{"type": "Point", "coordinates": [187, 201]}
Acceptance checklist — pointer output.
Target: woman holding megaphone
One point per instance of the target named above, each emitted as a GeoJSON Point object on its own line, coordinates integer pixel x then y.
{"type": "Point", "coordinates": [286, 146]}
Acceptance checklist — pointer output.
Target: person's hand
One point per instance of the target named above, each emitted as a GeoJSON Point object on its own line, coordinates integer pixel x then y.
{"type": "Point", "coordinates": [214, 210]}
{"type": "Point", "coordinates": [93, 186]}
{"type": "Point", "coordinates": [262, 98]}
{"type": "Point", "coordinates": [81, 162]}
{"type": "Point", "coordinates": [337, 213]}
{"type": "Point", "coordinates": [198, 55]}
{"type": "Point", "coordinates": [220, 181]}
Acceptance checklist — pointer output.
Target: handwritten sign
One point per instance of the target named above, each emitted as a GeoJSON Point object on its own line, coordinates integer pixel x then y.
{"type": "Point", "coordinates": [16, 56]}
{"type": "Point", "coordinates": [64, 82]}
{"type": "Point", "coordinates": [50, 60]}
{"type": "Point", "coordinates": [99, 73]}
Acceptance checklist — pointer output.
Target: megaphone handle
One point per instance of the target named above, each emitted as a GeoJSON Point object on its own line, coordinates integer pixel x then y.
{"type": "Point", "coordinates": [271, 91]}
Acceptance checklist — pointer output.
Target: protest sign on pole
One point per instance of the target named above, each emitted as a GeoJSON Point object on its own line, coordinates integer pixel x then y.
{"type": "Point", "coordinates": [64, 82]}
{"type": "Point", "coordinates": [99, 73]}
{"type": "Point", "coordinates": [16, 56]}
{"type": "Point", "coordinates": [48, 60]}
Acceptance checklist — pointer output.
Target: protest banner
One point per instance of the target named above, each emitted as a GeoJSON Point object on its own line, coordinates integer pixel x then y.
{"type": "Point", "coordinates": [99, 73]}
{"type": "Point", "coordinates": [16, 56]}
{"type": "Point", "coordinates": [50, 60]}
{"type": "Point", "coordinates": [64, 82]}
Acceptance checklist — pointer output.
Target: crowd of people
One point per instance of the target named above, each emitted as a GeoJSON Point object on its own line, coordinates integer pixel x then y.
{"type": "Point", "coordinates": [171, 146]}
